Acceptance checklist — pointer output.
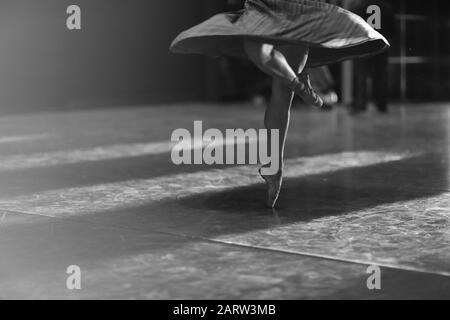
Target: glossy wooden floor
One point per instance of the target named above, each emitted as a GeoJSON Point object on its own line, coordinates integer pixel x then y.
{"type": "Point", "coordinates": [97, 189]}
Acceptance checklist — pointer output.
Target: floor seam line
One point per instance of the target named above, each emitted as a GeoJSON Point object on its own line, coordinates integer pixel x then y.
{"type": "Point", "coordinates": [252, 247]}
{"type": "Point", "coordinates": [336, 259]}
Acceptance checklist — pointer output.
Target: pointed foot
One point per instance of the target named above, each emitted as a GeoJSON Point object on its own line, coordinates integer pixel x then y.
{"type": "Point", "coordinates": [302, 87]}
{"type": "Point", "coordinates": [273, 184]}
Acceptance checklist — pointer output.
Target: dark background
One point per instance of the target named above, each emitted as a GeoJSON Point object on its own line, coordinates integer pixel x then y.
{"type": "Point", "coordinates": [121, 57]}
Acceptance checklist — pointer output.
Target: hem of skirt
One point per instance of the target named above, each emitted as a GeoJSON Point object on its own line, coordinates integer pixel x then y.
{"type": "Point", "coordinates": [280, 41]}
{"type": "Point", "coordinates": [353, 57]}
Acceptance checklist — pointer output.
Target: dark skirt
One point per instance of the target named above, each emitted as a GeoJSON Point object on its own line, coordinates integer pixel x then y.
{"type": "Point", "coordinates": [332, 33]}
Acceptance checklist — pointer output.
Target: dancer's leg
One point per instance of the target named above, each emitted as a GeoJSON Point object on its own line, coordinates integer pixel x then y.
{"type": "Point", "coordinates": [272, 61]}
{"type": "Point", "coordinates": [265, 57]}
{"type": "Point", "coordinates": [280, 62]}
{"type": "Point", "coordinates": [296, 56]}
{"type": "Point", "coordinates": [277, 117]}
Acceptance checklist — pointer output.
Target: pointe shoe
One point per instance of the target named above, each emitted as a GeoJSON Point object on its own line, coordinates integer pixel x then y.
{"type": "Point", "coordinates": [301, 85]}
{"type": "Point", "coordinates": [273, 188]}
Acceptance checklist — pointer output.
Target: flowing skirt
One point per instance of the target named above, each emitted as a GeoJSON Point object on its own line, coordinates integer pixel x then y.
{"type": "Point", "coordinates": [333, 34]}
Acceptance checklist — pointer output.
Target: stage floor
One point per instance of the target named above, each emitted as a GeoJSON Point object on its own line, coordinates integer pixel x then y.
{"type": "Point", "coordinates": [97, 189]}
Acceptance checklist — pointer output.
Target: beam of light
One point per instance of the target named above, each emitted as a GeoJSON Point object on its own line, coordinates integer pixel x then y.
{"type": "Point", "coordinates": [127, 194]}
{"type": "Point", "coordinates": [24, 138]}
{"type": "Point", "coordinates": [102, 153]}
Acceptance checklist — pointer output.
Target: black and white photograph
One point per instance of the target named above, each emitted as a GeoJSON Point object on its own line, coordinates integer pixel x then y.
{"type": "Point", "coordinates": [224, 156]}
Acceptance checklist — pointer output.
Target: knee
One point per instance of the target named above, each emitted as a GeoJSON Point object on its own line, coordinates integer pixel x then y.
{"type": "Point", "coordinates": [258, 52]}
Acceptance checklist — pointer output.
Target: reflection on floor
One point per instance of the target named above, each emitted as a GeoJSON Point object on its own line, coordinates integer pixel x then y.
{"type": "Point", "coordinates": [97, 189]}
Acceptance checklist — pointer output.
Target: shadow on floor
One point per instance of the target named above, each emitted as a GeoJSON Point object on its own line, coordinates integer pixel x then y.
{"type": "Point", "coordinates": [50, 243]}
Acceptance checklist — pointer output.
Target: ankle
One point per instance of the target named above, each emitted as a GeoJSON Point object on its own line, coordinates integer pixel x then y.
{"type": "Point", "coordinates": [297, 84]}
